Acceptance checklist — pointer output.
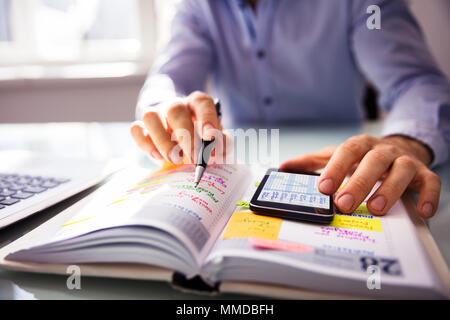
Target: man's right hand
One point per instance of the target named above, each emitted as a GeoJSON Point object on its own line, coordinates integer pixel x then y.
{"type": "Point", "coordinates": [168, 133]}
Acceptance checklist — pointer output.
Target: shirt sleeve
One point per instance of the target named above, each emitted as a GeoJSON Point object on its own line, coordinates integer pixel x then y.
{"type": "Point", "coordinates": [183, 65]}
{"type": "Point", "coordinates": [396, 60]}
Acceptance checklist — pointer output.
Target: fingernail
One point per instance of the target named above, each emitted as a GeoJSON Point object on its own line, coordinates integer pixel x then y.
{"type": "Point", "coordinates": [427, 209]}
{"type": "Point", "coordinates": [378, 203]}
{"type": "Point", "coordinates": [208, 131]}
{"type": "Point", "coordinates": [326, 186]}
{"type": "Point", "coordinates": [345, 202]}
{"type": "Point", "coordinates": [156, 155]}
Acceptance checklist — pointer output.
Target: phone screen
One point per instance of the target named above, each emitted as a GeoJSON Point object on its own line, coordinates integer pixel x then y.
{"type": "Point", "coordinates": [294, 189]}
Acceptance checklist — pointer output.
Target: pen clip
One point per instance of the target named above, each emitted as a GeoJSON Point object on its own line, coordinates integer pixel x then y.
{"type": "Point", "coordinates": [218, 108]}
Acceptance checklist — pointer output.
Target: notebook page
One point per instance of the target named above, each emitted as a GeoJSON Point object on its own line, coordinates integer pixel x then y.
{"type": "Point", "coordinates": [344, 249]}
{"type": "Point", "coordinates": [166, 199]}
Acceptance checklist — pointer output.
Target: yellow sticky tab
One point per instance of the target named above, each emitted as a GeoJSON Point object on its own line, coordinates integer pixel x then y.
{"type": "Point", "coordinates": [350, 222]}
{"type": "Point", "coordinates": [243, 204]}
{"type": "Point", "coordinates": [248, 224]}
{"type": "Point", "coordinates": [362, 209]}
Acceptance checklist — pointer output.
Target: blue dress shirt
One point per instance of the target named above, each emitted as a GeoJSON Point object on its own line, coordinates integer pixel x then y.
{"type": "Point", "coordinates": [304, 60]}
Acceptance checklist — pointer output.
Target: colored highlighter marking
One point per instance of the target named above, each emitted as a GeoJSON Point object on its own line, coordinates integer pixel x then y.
{"type": "Point", "coordinates": [117, 201]}
{"type": "Point", "coordinates": [74, 222]}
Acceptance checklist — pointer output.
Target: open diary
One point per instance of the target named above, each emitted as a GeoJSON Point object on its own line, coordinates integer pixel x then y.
{"type": "Point", "coordinates": [160, 226]}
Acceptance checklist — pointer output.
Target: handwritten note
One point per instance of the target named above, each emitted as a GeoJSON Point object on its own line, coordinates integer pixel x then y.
{"type": "Point", "coordinates": [352, 222]}
{"type": "Point", "coordinates": [279, 245]}
{"type": "Point", "coordinates": [345, 234]}
{"type": "Point", "coordinates": [211, 180]}
{"type": "Point", "coordinates": [248, 224]}
{"type": "Point", "coordinates": [184, 195]}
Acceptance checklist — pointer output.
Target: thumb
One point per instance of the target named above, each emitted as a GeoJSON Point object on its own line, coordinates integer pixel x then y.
{"type": "Point", "coordinates": [309, 162]}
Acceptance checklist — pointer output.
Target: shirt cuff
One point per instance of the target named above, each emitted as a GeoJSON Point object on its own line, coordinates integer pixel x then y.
{"type": "Point", "coordinates": [431, 137]}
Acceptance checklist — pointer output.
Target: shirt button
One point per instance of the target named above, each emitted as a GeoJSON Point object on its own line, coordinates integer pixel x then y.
{"type": "Point", "coordinates": [260, 54]}
{"type": "Point", "coordinates": [268, 101]}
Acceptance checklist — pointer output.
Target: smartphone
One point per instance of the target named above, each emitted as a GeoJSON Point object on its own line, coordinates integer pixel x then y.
{"type": "Point", "coordinates": [293, 196]}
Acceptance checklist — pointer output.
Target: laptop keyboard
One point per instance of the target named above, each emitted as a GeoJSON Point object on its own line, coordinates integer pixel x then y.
{"type": "Point", "coordinates": [15, 188]}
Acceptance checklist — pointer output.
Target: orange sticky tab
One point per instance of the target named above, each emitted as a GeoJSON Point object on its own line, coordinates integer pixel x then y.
{"type": "Point", "coordinates": [167, 166]}
{"type": "Point", "coordinates": [279, 245]}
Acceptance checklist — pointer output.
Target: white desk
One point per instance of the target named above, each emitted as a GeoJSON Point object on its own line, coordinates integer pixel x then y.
{"type": "Point", "coordinates": [102, 141]}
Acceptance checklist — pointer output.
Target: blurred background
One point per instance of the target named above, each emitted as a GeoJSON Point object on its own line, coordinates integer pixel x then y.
{"type": "Point", "coordinates": [86, 60]}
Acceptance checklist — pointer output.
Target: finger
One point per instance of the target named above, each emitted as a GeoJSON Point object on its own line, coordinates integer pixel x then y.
{"type": "Point", "coordinates": [180, 121]}
{"type": "Point", "coordinates": [429, 193]}
{"type": "Point", "coordinates": [360, 184]}
{"type": "Point", "coordinates": [143, 140]}
{"type": "Point", "coordinates": [205, 113]}
{"type": "Point", "coordinates": [309, 162]}
{"type": "Point", "coordinates": [342, 161]}
{"type": "Point", "coordinates": [222, 147]}
{"type": "Point", "coordinates": [400, 176]}
{"type": "Point", "coordinates": [160, 137]}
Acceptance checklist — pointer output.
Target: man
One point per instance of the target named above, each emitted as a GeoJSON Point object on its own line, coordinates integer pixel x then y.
{"type": "Point", "coordinates": [289, 60]}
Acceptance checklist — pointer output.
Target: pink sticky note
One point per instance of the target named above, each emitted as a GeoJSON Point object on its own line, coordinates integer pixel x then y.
{"type": "Point", "coordinates": [279, 245]}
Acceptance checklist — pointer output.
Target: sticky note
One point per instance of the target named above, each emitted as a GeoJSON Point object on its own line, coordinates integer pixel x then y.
{"type": "Point", "coordinates": [279, 245]}
{"type": "Point", "coordinates": [351, 222]}
{"type": "Point", "coordinates": [248, 224]}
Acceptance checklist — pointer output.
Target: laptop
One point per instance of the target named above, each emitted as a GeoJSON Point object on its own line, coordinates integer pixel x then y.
{"type": "Point", "coordinates": [30, 182]}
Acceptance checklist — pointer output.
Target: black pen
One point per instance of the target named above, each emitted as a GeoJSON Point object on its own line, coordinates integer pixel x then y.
{"type": "Point", "coordinates": [205, 152]}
